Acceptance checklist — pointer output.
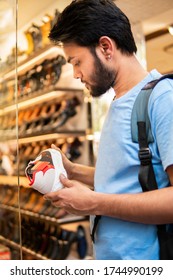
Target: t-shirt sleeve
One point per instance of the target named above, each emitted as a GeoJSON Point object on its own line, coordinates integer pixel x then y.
{"type": "Point", "coordinates": [161, 116]}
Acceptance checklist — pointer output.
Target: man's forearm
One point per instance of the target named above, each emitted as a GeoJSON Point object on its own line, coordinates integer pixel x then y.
{"type": "Point", "coordinates": [154, 207]}
{"type": "Point", "coordinates": [84, 174]}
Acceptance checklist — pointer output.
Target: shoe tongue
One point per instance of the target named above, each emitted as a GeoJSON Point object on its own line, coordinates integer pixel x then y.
{"type": "Point", "coordinates": [45, 156]}
{"type": "Point", "coordinates": [29, 170]}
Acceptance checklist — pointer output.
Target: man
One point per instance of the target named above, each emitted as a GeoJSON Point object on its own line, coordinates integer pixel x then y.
{"type": "Point", "coordinates": [98, 42]}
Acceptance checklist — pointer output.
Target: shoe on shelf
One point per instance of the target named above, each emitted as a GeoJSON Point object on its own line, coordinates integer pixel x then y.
{"type": "Point", "coordinates": [43, 173]}
{"type": "Point", "coordinates": [81, 242]}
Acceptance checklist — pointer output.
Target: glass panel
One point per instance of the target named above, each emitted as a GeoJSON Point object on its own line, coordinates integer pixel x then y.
{"type": "Point", "coordinates": [9, 188]}
{"type": "Point", "coordinates": [51, 110]}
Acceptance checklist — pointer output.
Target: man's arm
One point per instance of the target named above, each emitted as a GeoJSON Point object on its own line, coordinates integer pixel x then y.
{"type": "Point", "coordinates": [153, 207]}
{"type": "Point", "coordinates": [83, 174]}
{"type": "Point", "coordinates": [78, 172]}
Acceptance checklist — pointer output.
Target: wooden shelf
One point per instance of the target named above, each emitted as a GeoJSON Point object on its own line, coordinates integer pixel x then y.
{"type": "Point", "coordinates": [14, 180]}
{"type": "Point", "coordinates": [52, 136]}
{"type": "Point", "coordinates": [33, 59]}
{"type": "Point", "coordinates": [24, 249]}
{"type": "Point", "coordinates": [44, 137]}
{"type": "Point", "coordinates": [68, 219]}
{"type": "Point", "coordinates": [37, 98]}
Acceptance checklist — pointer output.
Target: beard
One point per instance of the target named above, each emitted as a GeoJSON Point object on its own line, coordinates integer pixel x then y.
{"type": "Point", "coordinates": [102, 78]}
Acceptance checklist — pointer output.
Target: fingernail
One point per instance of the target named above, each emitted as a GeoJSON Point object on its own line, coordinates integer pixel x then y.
{"type": "Point", "coordinates": [53, 146]}
{"type": "Point", "coordinates": [62, 176]}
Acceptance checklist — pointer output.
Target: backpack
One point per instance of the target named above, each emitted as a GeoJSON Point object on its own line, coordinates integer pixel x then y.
{"type": "Point", "coordinates": [142, 134]}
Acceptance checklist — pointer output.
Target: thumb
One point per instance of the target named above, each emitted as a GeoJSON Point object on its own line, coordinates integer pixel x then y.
{"type": "Point", "coordinates": [65, 181]}
{"type": "Point", "coordinates": [54, 147]}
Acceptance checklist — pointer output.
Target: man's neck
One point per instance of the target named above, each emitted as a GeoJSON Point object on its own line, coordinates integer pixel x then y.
{"type": "Point", "coordinates": [129, 74]}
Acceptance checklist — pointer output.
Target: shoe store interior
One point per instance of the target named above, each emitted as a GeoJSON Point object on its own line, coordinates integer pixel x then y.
{"type": "Point", "coordinates": [42, 104]}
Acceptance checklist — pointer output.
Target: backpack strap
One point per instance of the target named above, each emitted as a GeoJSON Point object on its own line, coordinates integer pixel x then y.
{"type": "Point", "coordinates": [146, 174]}
{"type": "Point", "coordinates": [142, 134]}
{"type": "Point", "coordinates": [140, 114]}
{"type": "Point", "coordinates": [96, 220]}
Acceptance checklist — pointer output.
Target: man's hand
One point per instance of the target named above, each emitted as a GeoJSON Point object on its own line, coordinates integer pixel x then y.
{"type": "Point", "coordinates": [68, 165]}
{"type": "Point", "coordinates": [75, 198]}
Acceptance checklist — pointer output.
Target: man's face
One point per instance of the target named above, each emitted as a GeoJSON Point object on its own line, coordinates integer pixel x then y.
{"type": "Point", "coordinates": [87, 67]}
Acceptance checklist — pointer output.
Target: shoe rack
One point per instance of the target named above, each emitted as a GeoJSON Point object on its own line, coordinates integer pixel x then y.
{"type": "Point", "coordinates": [47, 106]}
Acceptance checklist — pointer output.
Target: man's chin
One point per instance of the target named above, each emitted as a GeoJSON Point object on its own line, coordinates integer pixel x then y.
{"type": "Point", "coordinates": [87, 87]}
{"type": "Point", "coordinates": [98, 92]}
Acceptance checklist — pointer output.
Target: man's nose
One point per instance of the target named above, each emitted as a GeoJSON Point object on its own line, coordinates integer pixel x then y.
{"type": "Point", "coordinates": [77, 74]}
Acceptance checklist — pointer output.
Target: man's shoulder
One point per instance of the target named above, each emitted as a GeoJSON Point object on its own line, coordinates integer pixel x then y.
{"type": "Point", "coordinates": [163, 89]}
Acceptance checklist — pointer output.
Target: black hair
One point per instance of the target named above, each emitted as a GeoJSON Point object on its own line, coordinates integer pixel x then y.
{"type": "Point", "coordinates": [84, 21]}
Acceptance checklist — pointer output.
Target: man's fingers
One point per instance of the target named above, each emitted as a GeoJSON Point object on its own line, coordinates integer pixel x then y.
{"type": "Point", "coordinates": [65, 181]}
{"type": "Point", "coordinates": [55, 147]}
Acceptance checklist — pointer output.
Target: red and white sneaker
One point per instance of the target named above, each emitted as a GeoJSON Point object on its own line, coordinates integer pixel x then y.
{"type": "Point", "coordinates": [43, 173]}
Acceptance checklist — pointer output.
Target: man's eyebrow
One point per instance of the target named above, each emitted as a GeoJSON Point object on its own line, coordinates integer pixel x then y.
{"type": "Point", "coordinates": [69, 59]}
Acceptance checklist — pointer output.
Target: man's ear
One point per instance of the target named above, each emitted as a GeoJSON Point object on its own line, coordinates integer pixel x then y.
{"type": "Point", "coordinates": [106, 46]}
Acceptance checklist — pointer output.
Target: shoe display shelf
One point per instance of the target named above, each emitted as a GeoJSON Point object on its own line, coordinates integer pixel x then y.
{"type": "Point", "coordinates": [41, 104]}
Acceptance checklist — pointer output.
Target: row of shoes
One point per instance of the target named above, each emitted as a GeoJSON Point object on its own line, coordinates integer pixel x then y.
{"type": "Point", "coordinates": [37, 38]}
{"type": "Point", "coordinates": [31, 203]}
{"type": "Point", "coordinates": [41, 119]}
{"type": "Point", "coordinates": [51, 122]}
{"type": "Point", "coordinates": [37, 35]}
{"type": "Point", "coordinates": [52, 241]}
{"type": "Point", "coordinates": [30, 114]}
{"type": "Point", "coordinates": [29, 200]}
{"type": "Point", "coordinates": [9, 225]}
{"type": "Point", "coordinates": [7, 92]}
{"type": "Point", "coordinates": [47, 239]}
{"type": "Point", "coordinates": [41, 78]}
{"type": "Point", "coordinates": [72, 147]}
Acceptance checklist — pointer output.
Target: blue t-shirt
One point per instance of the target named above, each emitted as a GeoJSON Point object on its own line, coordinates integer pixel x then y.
{"type": "Point", "coordinates": [117, 169]}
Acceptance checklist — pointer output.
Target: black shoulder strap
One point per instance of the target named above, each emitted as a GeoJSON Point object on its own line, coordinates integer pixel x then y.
{"type": "Point", "coordinates": [141, 133]}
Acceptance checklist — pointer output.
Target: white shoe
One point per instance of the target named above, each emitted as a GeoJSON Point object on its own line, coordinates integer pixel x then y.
{"type": "Point", "coordinates": [43, 173]}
